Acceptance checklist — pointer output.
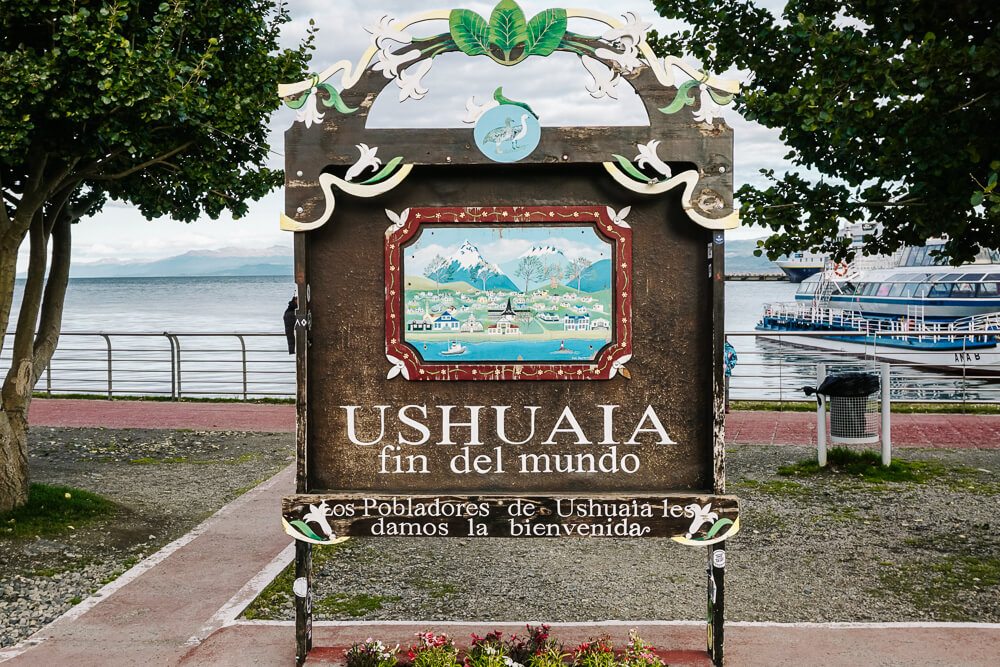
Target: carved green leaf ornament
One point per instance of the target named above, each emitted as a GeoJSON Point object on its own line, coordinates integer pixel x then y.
{"type": "Point", "coordinates": [545, 31]}
{"type": "Point", "coordinates": [509, 37]}
{"type": "Point", "coordinates": [469, 31]}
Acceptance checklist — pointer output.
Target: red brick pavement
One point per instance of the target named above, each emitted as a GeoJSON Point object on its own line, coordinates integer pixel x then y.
{"type": "Point", "coordinates": [907, 430]}
{"type": "Point", "coordinates": [742, 427]}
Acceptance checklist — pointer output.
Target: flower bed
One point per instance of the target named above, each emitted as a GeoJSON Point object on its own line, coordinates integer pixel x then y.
{"type": "Point", "coordinates": [536, 649]}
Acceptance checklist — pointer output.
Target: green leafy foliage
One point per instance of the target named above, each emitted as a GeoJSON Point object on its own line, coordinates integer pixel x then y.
{"type": "Point", "coordinates": [164, 106]}
{"type": "Point", "coordinates": [508, 37]}
{"type": "Point", "coordinates": [546, 31]}
{"type": "Point", "coordinates": [469, 31]}
{"type": "Point", "coordinates": [887, 110]}
{"type": "Point", "coordinates": [508, 32]}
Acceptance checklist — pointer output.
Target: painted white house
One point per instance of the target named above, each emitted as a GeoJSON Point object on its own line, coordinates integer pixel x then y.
{"type": "Point", "coordinates": [576, 322]}
{"type": "Point", "coordinates": [504, 328]}
{"type": "Point", "coordinates": [447, 322]}
{"type": "Point", "coordinates": [600, 324]}
{"type": "Point", "coordinates": [471, 325]}
{"type": "Point", "coordinates": [548, 316]}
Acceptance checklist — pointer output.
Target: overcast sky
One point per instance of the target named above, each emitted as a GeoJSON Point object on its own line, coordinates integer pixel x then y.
{"type": "Point", "coordinates": [553, 86]}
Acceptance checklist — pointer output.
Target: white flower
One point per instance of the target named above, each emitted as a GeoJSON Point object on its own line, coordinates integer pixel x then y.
{"type": "Point", "coordinates": [619, 217]}
{"type": "Point", "coordinates": [709, 110]}
{"type": "Point", "coordinates": [318, 514]}
{"type": "Point", "coordinates": [309, 113]}
{"type": "Point", "coordinates": [398, 368]}
{"type": "Point", "coordinates": [383, 31]}
{"type": "Point", "coordinates": [633, 31]}
{"type": "Point", "coordinates": [605, 79]}
{"type": "Point", "coordinates": [390, 63]}
{"type": "Point", "coordinates": [398, 220]}
{"type": "Point", "coordinates": [647, 157]}
{"type": "Point", "coordinates": [702, 514]}
{"type": "Point", "coordinates": [366, 160]}
{"type": "Point", "coordinates": [409, 84]}
{"type": "Point", "coordinates": [473, 111]}
{"type": "Point", "coordinates": [629, 36]}
{"type": "Point", "coordinates": [618, 366]}
{"type": "Point", "coordinates": [627, 61]}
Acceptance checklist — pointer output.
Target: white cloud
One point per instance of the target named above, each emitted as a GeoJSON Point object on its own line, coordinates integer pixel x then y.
{"type": "Point", "coordinates": [553, 86]}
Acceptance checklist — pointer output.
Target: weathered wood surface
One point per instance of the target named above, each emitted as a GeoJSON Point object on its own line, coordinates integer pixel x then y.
{"type": "Point", "coordinates": [672, 309]}
{"type": "Point", "coordinates": [563, 515]}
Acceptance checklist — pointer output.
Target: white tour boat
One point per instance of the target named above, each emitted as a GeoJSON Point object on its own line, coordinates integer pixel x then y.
{"type": "Point", "coordinates": [907, 308]}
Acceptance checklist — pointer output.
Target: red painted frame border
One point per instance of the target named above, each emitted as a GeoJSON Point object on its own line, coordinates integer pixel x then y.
{"type": "Point", "coordinates": [609, 361]}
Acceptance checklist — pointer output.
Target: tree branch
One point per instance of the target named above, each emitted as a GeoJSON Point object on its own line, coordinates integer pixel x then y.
{"type": "Point", "coordinates": [50, 323]}
{"type": "Point", "coordinates": [871, 204]}
{"type": "Point", "coordinates": [20, 379]}
{"type": "Point", "coordinates": [4, 216]}
{"type": "Point", "coordinates": [966, 104]}
{"type": "Point", "coordinates": [139, 167]}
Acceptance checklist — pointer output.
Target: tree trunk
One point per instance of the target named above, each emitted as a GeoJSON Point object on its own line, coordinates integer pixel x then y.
{"type": "Point", "coordinates": [13, 461]}
{"type": "Point", "coordinates": [31, 353]}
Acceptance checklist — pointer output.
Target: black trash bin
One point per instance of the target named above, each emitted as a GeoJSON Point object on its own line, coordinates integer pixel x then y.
{"type": "Point", "coordinates": [854, 417]}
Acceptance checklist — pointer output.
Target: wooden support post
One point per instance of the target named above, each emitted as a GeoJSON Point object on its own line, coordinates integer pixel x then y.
{"type": "Point", "coordinates": [716, 602]}
{"type": "Point", "coordinates": [303, 550]}
{"type": "Point", "coordinates": [303, 601]}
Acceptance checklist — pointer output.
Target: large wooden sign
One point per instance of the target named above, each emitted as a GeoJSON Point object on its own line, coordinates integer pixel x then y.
{"type": "Point", "coordinates": [510, 330]}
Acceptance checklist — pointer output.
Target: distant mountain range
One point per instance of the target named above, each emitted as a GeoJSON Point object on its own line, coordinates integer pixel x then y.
{"type": "Point", "coordinates": [740, 258]}
{"type": "Point", "coordinates": [273, 261]}
{"type": "Point", "coordinates": [277, 261]}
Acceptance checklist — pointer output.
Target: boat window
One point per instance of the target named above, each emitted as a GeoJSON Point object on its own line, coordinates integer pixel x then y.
{"type": "Point", "coordinates": [870, 289]}
{"type": "Point", "coordinates": [934, 277]}
{"type": "Point", "coordinates": [906, 258]}
{"type": "Point", "coordinates": [963, 291]}
{"type": "Point", "coordinates": [972, 276]}
{"type": "Point", "coordinates": [897, 289]}
{"type": "Point", "coordinates": [992, 276]}
{"type": "Point", "coordinates": [883, 289]}
{"type": "Point", "coordinates": [939, 290]}
{"type": "Point", "coordinates": [921, 290]}
{"type": "Point", "coordinates": [952, 276]}
{"type": "Point", "coordinates": [987, 290]}
{"type": "Point", "coordinates": [847, 288]}
{"type": "Point", "coordinates": [909, 289]}
{"type": "Point", "coordinates": [919, 255]}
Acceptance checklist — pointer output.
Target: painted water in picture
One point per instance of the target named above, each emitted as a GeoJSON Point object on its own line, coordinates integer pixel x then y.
{"type": "Point", "coordinates": [508, 294]}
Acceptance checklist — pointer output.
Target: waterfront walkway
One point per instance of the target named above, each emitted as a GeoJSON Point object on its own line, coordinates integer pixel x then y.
{"type": "Point", "coordinates": [755, 427]}
{"type": "Point", "coordinates": [179, 606]}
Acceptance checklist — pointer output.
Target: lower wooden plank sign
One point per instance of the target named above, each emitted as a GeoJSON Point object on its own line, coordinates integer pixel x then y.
{"type": "Point", "coordinates": [689, 519]}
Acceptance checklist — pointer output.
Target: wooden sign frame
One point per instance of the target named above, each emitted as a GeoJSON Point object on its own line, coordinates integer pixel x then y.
{"type": "Point", "coordinates": [608, 359]}
{"type": "Point", "coordinates": [677, 440]}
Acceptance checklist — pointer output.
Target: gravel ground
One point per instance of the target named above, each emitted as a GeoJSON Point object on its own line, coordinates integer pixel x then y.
{"type": "Point", "coordinates": [816, 549]}
{"type": "Point", "coordinates": [164, 483]}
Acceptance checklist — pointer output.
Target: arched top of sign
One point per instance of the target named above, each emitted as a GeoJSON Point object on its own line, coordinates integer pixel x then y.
{"type": "Point", "coordinates": [687, 112]}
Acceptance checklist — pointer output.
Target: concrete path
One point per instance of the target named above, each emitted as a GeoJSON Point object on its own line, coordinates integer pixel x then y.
{"type": "Point", "coordinates": [156, 611]}
{"type": "Point", "coordinates": [179, 606]}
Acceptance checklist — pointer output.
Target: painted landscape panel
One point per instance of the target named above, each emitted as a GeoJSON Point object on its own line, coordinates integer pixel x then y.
{"type": "Point", "coordinates": [508, 294]}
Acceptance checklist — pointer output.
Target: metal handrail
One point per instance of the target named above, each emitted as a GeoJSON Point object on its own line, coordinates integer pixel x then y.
{"type": "Point", "coordinates": [130, 366]}
{"type": "Point", "coordinates": [127, 363]}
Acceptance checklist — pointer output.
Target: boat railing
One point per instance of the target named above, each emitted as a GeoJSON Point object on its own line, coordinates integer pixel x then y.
{"type": "Point", "coordinates": [977, 328]}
